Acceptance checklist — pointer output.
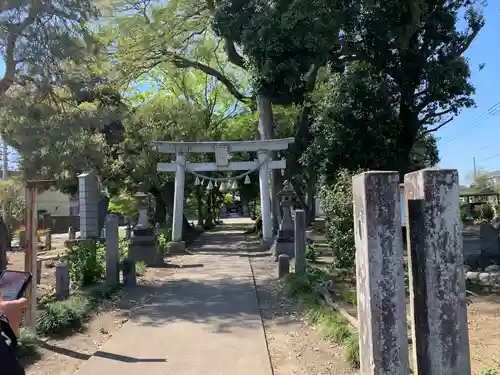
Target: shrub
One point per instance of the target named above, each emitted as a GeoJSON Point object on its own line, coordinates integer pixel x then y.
{"type": "Point", "coordinates": [464, 211]}
{"type": "Point", "coordinates": [311, 253]}
{"type": "Point", "coordinates": [140, 268]}
{"type": "Point", "coordinates": [86, 263]}
{"type": "Point", "coordinates": [59, 316]}
{"type": "Point", "coordinates": [28, 347]}
{"type": "Point", "coordinates": [163, 238]}
{"type": "Point", "coordinates": [336, 200]}
{"type": "Point", "coordinates": [487, 212]}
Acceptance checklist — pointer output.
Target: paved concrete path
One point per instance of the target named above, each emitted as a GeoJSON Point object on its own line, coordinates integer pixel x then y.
{"type": "Point", "coordinates": [204, 320]}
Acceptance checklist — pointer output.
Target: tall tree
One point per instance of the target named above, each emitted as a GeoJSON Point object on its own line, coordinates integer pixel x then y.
{"type": "Point", "coordinates": [36, 35]}
{"type": "Point", "coordinates": [419, 47]}
{"type": "Point", "coordinates": [353, 131]}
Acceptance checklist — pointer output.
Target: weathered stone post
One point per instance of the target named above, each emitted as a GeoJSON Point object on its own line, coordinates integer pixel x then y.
{"type": "Point", "coordinates": [300, 242]}
{"type": "Point", "coordinates": [71, 233]}
{"type": "Point", "coordinates": [383, 336]}
{"type": "Point", "coordinates": [129, 272]}
{"type": "Point", "coordinates": [112, 250]}
{"type": "Point", "coordinates": [62, 281]}
{"type": "Point", "coordinates": [47, 239]}
{"type": "Point", "coordinates": [283, 265]}
{"type": "Point", "coordinates": [437, 282]}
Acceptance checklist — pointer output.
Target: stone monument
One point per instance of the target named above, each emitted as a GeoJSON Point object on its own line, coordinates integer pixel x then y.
{"type": "Point", "coordinates": [143, 242]}
{"type": "Point", "coordinates": [89, 195]}
{"type": "Point", "coordinates": [284, 242]}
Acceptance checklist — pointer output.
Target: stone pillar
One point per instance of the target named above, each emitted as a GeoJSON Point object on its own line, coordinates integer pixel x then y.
{"type": "Point", "coordinates": [62, 281]}
{"type": "Point", "coordinates": [283, 265]}
{"type": "Point", "coordinates": [180, 176]}
{"type": "Point", "coordinates": [48, 239]}
{"type": "Point", "coordinates": [129, 273]}
{"type": "Point", "coordinates": [112, 250]}
{"type": "Point", "coordinates": [437, 281]}
{"type": "Point", "coordinates": [88, 191]}
{"type": "Point", "coordinates": [300, 242]}
{"type": "Point", "coordinates": [267, 223]}
{"type": "Point", "coordinates": [383, 336]}
{"type": "Point", "coordinates": [71, 233]}
{"type": "Point", "coordinates": [284, 242]}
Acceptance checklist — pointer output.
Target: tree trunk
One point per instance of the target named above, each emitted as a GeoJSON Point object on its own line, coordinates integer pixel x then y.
{"type": "Point", "coordinates": [102, 209]}
{"type": "Point", "coordinates": [311, 200]}
{"type": "Point", "coordinates": [266, 131]}
{"type": "Point", "coordinates": [160, 214]}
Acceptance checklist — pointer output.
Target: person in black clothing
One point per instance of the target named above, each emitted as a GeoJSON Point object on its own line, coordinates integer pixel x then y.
{"type": "Point", "coordinates": [11, 313]}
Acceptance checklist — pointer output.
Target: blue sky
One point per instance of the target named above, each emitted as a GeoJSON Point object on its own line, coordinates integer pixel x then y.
{"type": "Point", "coordinates": [473, 132]}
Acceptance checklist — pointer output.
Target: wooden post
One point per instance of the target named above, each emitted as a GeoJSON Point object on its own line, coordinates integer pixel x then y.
{"type": "Point", "coordinates": [383, 336]}
{"type": "Point", "coordinates": [300, 242]}
{"type": "Point", "coordinates": [437, 281]}
{"type": "Point", "coordinates": [30, 253]}
{"type": "Point", "coordinates": [38, 272]}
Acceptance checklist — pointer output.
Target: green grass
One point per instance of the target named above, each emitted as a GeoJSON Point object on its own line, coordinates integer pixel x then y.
{"type": "Point", "coordinates": [61, 317]}
{"type": "Point", "coordinates": [331, 325]}
{"type": "Point", "coordinates": [27, 344]}
{"type": "Point", "coordinates": [140, 268]}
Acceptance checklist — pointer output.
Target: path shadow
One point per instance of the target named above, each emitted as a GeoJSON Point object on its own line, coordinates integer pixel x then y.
{"type": "Point", "coordinates": [223, 299]}
{"type": "Point", "coordinates": [85, 357]}
{"type": "Point", "coordinates": [223, 303]}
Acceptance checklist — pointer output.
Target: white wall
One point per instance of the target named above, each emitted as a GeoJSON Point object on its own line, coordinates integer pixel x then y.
{"type": "Point", "coordinates": [53, 202]}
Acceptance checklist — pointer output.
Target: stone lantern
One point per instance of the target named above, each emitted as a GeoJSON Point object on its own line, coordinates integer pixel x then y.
{"type": "Point", "coordinates": [143, 245]}
{"type": "Point", "coordinates": [284, 242]}
{"type": "Point", "coordinates": [142, 228]}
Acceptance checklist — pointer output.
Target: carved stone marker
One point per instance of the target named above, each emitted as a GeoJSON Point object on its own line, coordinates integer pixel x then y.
{"type": "Point", "coordinates": [437, 283]}
{"type": "Point", "coordinates": [383, 336]}
{"type": "Point", "coordinates": [112, 250]}
{"type": "Point", "coordinates": [283, 265]}
{"type": "Point", "coordinates": [300, 242]}
{"type": "Point", "coordinates": [62, 281]}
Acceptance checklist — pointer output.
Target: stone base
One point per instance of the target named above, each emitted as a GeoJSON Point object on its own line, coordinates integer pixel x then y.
{"type": "Point", "coordinates": [143, 232]}
{"type": "Point", "coordinates": [265, 245]}
{"type": "Point", "coordinates": [144, 249]}
{"type": "Point", "coordinates": [283, 246]}
{"type": "Point", "coordinates": [177, 248]}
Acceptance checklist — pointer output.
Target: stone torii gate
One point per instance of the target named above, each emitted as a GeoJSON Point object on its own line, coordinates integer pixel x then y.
{"type": "Point", "coordinates": [222, 150]}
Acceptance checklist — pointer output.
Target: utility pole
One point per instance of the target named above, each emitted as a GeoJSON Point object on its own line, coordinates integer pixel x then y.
{"type": "Point", "coordinates": [474, 164]}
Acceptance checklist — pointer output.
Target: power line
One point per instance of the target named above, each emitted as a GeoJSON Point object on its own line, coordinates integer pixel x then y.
{"type": "Point", "coordinates": [492, 111]}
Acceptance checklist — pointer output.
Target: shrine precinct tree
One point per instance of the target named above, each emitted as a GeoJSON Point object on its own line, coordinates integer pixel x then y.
{"type": "Point", "coordinates": [419, 47]}
{"type": "Point", "coordinates": [37, 35]}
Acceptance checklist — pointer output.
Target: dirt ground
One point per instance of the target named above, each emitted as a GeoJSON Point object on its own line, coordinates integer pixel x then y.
{"type": "Point", "coordinates": [294, 346]}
